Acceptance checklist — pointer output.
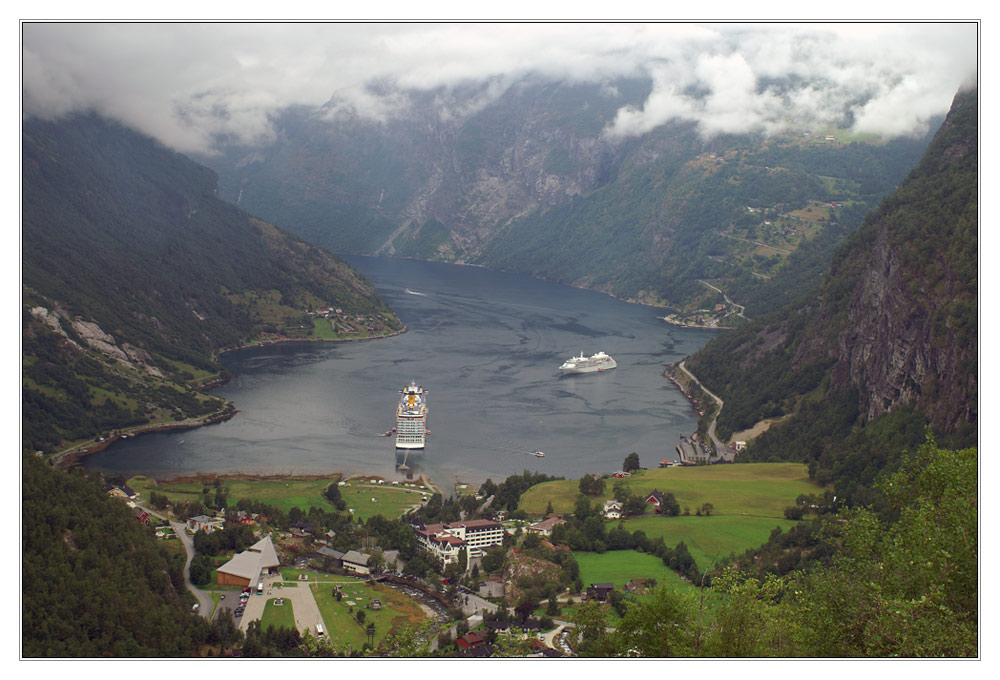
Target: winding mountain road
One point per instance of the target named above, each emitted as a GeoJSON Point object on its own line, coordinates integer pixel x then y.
{"type": "Point", "coordinates": [720, 448]}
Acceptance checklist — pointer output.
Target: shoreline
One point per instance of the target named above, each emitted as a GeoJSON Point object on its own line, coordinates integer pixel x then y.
{"type": "Point", "coordinates": [285, 341]}
{"type": "Point", "coordinates": [72, 456]}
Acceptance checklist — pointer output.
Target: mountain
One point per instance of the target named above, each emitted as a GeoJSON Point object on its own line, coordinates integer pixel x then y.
{"type": "Point", "coordinates": [887, 345]}
{"type": "Point", "coordinates": [135, 274]}
{"type": "Point", "coordinates": [524, 178]}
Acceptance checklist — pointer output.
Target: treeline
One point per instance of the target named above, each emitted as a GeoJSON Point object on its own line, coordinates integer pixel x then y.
{"type": "Point", "coordinates": [95, 582]}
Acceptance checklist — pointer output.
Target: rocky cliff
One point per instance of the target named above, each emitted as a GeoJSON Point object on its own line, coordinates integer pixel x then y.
{"type": "Point", "coordinates": [910, 330]}
{"type": "Point", "coordinates": [895, 321]}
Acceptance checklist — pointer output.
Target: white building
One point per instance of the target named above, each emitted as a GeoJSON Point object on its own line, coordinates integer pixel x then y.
{"type": "Point", "coordinates": [446, 541]}
{"type": "Point", "coordinates": [612, 509]}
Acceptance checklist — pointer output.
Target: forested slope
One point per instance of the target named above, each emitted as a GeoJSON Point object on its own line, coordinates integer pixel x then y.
{"type": "Point", "coordinates": [95, 582]}
{"type": "Point", "coordinates": [134, 274]}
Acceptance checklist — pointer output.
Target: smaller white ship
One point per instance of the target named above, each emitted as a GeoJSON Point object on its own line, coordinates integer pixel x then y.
{"type": "Point", "coordinates": [592, 364]}
{"type": "Point", "coordinates": [539, 454]}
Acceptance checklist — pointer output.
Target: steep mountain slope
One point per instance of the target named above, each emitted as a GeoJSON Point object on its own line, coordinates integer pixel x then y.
{"type": "Point", "coordinates": [135, 274]}
{"type": "Point", "coordinates": [890, 339]}
{"type": "Point", "coordinates": [527, 181]}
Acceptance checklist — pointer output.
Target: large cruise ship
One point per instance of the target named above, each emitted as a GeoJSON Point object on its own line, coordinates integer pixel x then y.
{"type": "Point", "coordinates": [591, 364]}
{"type": "Point", "coordinates": [411, 417]}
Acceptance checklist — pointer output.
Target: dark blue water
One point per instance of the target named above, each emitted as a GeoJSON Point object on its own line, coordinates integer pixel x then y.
{"type": "Point", "coordinates": [486, 345]}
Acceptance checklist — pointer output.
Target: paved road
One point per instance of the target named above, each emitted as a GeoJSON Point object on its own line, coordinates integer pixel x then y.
{"type": "Point", "coordinates": [300, 598]}
{"type": "Point", "coordinates": [720, 448]}
{"type": "Point", "coordinates": [204, 598]}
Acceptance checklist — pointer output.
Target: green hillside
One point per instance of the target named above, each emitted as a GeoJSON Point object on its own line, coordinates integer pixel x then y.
{"type": "Point", "coordinates": [135, 275]}
{"type": "Point", "coordinates": [762, 489]}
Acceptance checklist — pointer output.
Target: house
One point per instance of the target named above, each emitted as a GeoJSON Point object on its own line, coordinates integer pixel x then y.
{"type": "Point", "coordinates": [129, 493]}
{"type": "Point", "coordinates": [356, 561]}
{"type": "Point", "coordinates": [246, 568]}
{"type": "Point", "coordinates": [114, 491]}
{"type": "Point", "coordinates": [470, 640]}
{"type": "Point", "coordinates": [479, 652]}
{"type": "Point", "coordinates": [335, 555]}
{"type": "Point", "coordinates": [621, 474]}
{"type": "Point", "coordinates": [599, 591]}
{"type": "Point", "coordinates": [612, 509]}
{"type": "Point", "coordinates": [203, 523]}
{"type": "Point", "coordinates": [740, 446]}
{"type": "Point", "coordinates": [656, 498]}
{"type": "Point", "coordinates": [544, 528]}
{"type": "Point", "coordinates": [665, 463]}
{"type": "Point", "coordinates": [141, 515]}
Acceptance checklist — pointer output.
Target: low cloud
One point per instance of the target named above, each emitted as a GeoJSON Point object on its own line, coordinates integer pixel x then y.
{"type": "Point", "coordinates": [188, 84]}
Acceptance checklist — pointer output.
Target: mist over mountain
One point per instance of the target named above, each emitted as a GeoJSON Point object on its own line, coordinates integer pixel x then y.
{"type": "Point", "coordinates": [531, 181]}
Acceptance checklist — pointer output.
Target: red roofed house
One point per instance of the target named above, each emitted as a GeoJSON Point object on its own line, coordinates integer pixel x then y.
{"type": "Point", "coordinates": [470, 640]}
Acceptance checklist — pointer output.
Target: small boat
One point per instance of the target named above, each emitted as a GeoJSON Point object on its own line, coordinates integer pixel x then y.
{"type": "Point", "coordinates": [539, 454]}
{"type": "Point", "coordinates": [388, 433]}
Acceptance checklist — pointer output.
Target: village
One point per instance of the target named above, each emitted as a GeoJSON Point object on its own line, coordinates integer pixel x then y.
{"type": "Point", "coordinates": [474, 586]}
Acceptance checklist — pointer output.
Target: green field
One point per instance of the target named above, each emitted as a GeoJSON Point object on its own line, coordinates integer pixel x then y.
{"type": "Point", "coordinates": [709, 539]}
{"type": "Point", "coordinates": [390, 501]}
{"type": "Point", "coordinates": [283, 493]}
{"type": "Point", "coordinates": [762, 489]}
{"type": "Point", "coordinates": [620, 566]}
{"type": "Point", "coordinates": [341, 618]}
{"type": "Point", "coordinates": [277, 617]}
{"type": "Point", "coordinates": [286, 493]}
{"type": "Point", "coordinates": [323, 330]}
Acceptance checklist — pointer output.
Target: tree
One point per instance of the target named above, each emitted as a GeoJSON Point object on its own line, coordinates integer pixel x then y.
{"type": "Point", "coordinates": [749, 620]}
{"type": "Point", "coordinates": [907, 588]}
{"type": "Point", "coordinates": [592, 485]}
{"type": "Point", "coordinates": [548, 509]}
{"type": "Point", "coordinates": [493, 559]}
{"type": "Point", "coordinates": [631, 463]}
{"type": "Point", "coordinates": [663, 626]}
{"type": "Point", "coordinates": [707, 508]}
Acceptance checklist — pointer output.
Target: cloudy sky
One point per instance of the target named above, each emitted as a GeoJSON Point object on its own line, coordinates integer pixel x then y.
{"type": "Point", "coordinates": [185, 82]}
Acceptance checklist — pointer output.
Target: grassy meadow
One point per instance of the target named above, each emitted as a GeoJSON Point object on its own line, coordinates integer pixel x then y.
{"type": "Point", "coordinates": [620, 566]}
{"type": "Point", "coordinates": [710, 539]}
{"type": "Point", "coordinates": [288, 492]}
{"type": "Point", "coordinates": [748, 500]}
{"type": "Point", "coordinates": [761, 489]}
{"type": "Point", "coordinates": [340, 618]}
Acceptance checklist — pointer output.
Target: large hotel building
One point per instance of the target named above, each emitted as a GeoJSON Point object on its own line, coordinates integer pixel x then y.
{"type": "Point", "coordinates": [446, 540]}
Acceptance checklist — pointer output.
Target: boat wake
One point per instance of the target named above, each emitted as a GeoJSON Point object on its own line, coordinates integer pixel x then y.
{"type": "Point", "coordinates": [413, 292]}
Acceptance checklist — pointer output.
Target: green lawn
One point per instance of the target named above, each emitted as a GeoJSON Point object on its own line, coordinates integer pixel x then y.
{"type": "Point", "coordinates": [709, 539]}
{"type": "Point", "coordinates": [341, 618]}
{"type": "Point", "coordinates": [323, 329]}
{"type": "Point", "coordinates": [285, 493]}
{"type": "Point", "coordinates": [619, 566]}
{"type": "Point", "coordinates": [390, 501]}
{"type": "Point", "coordinates": [762, 489]}
{"type": "Point", "coordinates": [277, 617]}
